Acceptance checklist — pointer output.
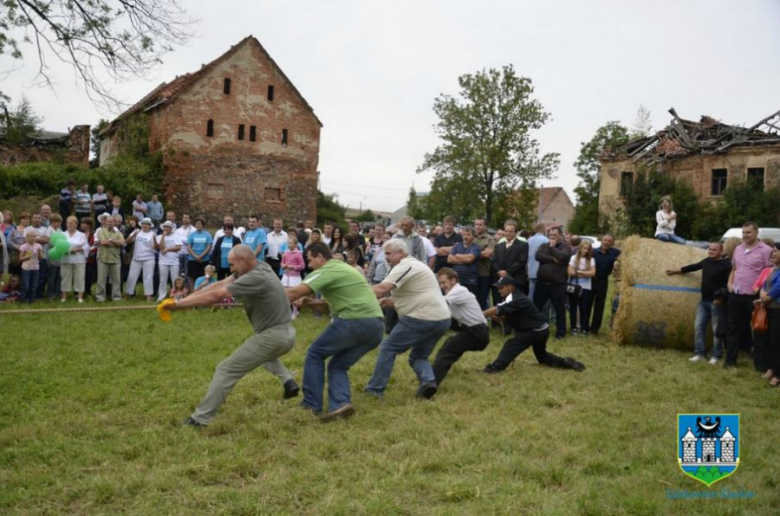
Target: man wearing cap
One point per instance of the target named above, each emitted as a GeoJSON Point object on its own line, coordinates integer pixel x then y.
{"type": "Point", "coordinates": [110, 243]}
{"type": "Point", "coordinates": [531, 330]}
{"type": "Point", "coordinates": [464, 307]}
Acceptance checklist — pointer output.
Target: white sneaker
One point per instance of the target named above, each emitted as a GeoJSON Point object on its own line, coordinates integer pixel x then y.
{"type": "Point", "coordinates": [714, 361]}
{"type": "Point", "coordinates": [696, 358]}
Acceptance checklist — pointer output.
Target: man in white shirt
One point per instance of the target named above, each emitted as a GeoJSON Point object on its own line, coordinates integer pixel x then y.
{"type": "Point", "coordinates": [327, 233]}
{"type": "Point", "coordinates": [183, 233]}
{"type": "Point", "coordinates": [423, 317]}
{"type": "Point", "coordinates": [464, 308]}
{"type": "Point", "coordinates": [275, 239]}
{"type": "Point", "coordinates": [430, 250]}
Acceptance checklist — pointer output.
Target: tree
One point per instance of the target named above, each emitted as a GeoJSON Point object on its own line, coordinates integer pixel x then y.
{"type": "Point", "coordinates": [588, 164]}
{"type": "Point", "coordinates": [413, 205]}
{"type": "Point", "coordinates": [94, 142]}
{"type": "Point", "coordinates": [488, 149]}
{"type": "Point", "coordinates": [121, 38]}
{"type": "Point", "coordinates": [21, 123]}
{"type": "Point", "coordinates": [366, 216]}
{"type": "Point", "coordinates": [642, 124]}
{"type": "Point", "coordinates": [329, 209]}
{"type": "Point", "coordinates": [644, 198]}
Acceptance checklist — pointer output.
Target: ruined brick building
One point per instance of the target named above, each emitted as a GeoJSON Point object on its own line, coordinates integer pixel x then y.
{"type": "Point", "coordinates": [70, 147]}
{"type": "Point", "coordinates": [236, 137]}
{"type": "Point", "coordinates": [707, 154]}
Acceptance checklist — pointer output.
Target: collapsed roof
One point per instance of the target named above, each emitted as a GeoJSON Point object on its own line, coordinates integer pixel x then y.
{"type": "Point", "coordinates": [683, 138]}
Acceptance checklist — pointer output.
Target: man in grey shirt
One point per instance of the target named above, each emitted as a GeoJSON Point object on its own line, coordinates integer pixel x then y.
{"type": "Point", "coordinates": [267, 307]}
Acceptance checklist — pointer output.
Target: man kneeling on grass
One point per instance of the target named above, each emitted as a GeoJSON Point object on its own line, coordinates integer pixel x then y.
{"type": "Point", "coordinates": [356, 329]}
{"type": "Point", "coordinates": [267, 308]}
{"type": "Point", "coordinates": [464, 307]}
{"type": "Point", "coordinates": [531, 330]}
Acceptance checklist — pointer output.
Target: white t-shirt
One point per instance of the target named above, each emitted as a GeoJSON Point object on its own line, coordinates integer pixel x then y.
{"type": "Point", "coordinates": [77, 239]}
{"type": "Point", "coordinates": [417, 293]}
{"type": "Point", "coordinates": [582, 281]}
{"type": "Point", "coordinates": [430, 250]}
{"type": "Point", "coordinates": [238, 231]}
{"type": "Point", "coordinates": [171, 257]}
{"type": "Point", "coordinates": [143, 249]}
{"type": "Point", "coordinates": [183, 234]}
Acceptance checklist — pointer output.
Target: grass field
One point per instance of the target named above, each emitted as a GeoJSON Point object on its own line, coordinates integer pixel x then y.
{"type": "Point", "coordinates": [92, 405]}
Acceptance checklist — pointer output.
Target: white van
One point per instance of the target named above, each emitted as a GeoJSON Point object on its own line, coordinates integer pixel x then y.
{"type": "Point", "coordinates": [773, 233]}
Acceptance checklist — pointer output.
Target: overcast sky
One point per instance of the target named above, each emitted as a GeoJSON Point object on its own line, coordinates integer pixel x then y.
{"type": "Point", "coordinates": [371, 71]}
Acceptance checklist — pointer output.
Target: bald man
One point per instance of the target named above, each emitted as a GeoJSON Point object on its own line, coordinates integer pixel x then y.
{"type": "Point", "coordinates": [265, 303]}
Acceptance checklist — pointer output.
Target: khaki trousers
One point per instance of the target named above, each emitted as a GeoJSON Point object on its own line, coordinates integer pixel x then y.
{"type": "Point", "coordinates": [111, 271]}
{"type": "Point", "coordinates": [73, 276]}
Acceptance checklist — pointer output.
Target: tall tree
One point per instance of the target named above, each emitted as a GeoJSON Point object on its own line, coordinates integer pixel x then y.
{"type": "Point", "coordinates": [20, 123]}
{"type": "Point", "coordinates": [121, 38]}
{"type": "Point", "coordinates": [643, 126]}
{"type": "Point", "coordinates": [586, 216]}
{"type": "Point", "coordinates": [488, 148]}
{"type": "Point", "coordinates": [413, 208]}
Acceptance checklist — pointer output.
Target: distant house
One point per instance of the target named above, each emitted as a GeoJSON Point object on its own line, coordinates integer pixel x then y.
{"type": "Point", "coordinates": [236, 136]}
{"type": "Point", "coordinates": [70, 147]}
{"type": "Point", "coordinates": [708, 154]}
{"type": "Point", "coordinates": [557, 208]}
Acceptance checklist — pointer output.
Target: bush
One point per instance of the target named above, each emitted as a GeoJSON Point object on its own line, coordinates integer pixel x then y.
{"type": "Point", "coordinates": [645, 196]}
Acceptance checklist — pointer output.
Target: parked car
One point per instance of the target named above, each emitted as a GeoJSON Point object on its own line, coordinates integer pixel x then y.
{"type": "Point", "coordinates": [594, 241]}
{"type": "Point", "coordinates": [773, 233]}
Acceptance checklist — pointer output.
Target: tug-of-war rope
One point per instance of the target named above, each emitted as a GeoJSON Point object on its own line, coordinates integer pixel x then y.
{"type": "Point", "coordinates": [97, 309]}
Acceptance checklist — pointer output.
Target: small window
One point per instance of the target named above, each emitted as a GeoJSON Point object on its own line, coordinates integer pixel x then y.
{"type": "Point", "coordinates": [270, 93]}
{"type": "Point", "coordinates": [757, 175]}
{"type": "Point", "coordinates": [210, 128]}
{"type": "Point", "coordinates": [252, 133]}
{"type": "Point", "coordinates": [626, 182]}
{"type": "Point", "coordinates": [240, 131]}
{"type": "Point", "coordinates": [719, 180]}
{"type": "Point", "coordinates": [226, 86]}
{"type": "Point", "coordinates": [284, 136]}
{"type": "Point", "coordinates": [273, 194]}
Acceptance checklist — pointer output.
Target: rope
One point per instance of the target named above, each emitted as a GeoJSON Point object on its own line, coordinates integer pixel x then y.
{"type": "Point", "coordinates": [95, 309]}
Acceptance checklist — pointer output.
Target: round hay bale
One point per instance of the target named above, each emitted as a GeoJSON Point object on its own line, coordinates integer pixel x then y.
{"type": "Point", "coordinates": [656, 310]}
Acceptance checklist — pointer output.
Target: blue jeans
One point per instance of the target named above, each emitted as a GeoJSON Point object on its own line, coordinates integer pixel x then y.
{"type": "Point", "coordinates": [421, 336]}
{"type": "Point", "coordinates": [666, 237]}
{"type": "Point", "coordinates": [29, 285]}
{"type": "Point", "coordinates": [706, 312]}
{"type": "Point", "coordinates": [345, 341]}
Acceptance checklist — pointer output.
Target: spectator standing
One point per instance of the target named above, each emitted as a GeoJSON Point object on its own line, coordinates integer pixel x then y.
{"type": "Point", "coordinates": [378, 268]}
{"type": "Point", "coordinates": [302, 233]}
{"type": "Point", "coordinates": [15, 238]}
{"type": "Point", "coordinates": [130, 229]}
{"type": "Point", "coordinates": [155, 210]}
{"type": "Point", "coordinates": [354, 227]}
{"type": "Point", "coordinates": [510, 258]}
{"type": "Point", "coordinates": [582, 268]}
{"type": "Point", "coordinates": [67, 195]}
{"type": "Point", "coordinates": [414, 242]}
{"type": "Point", "coordinates": [375, 241]}
{"type": "Point", "coordinates": [553, 271]}
{"type": "Point", "coordinates": [463, 259]}
{"type": "Point", "coordinates": [715, 272]}
{"type": "Point", "coordinates": [444, 242]}
{"type": "Point", "coordinates": [45, 215]}
{"type": "Point", "coordinates": [327, 233]}
{"type": "Point", "coordinates": [770, 297]}
{"type": "Point", "coordinates": [227, 219]}
{"type": "Point", "coordinates": [99, 201]}
{"type": "Point", "coordinates": [140, 208]}
{"type": "Point", "coordinates": [666, 220]}
{"type": "Point", "coordinates": [199, 246]}
{"type": "Point", "coordinates": [750, 258]}
{"type": "Point", "coordinates": [605, 258]}
{"type": "Point", "coordinates": [430, 249]}
{"type": "Point", "coordinates": [487, 245]}
{"type": "Point", "coordinates": [336, 240]}
{"type": "Point", "coordinates": [222, 247]}
{"type": "Point", "coordinates": [83, 201]}
{"type": "Point", "coordinates": [292, 264]}
{"type": "Point", "coordinates": [534, 243]}
{"type": "Point", "coordinates": [256, 238]}
{"type": "Point", "coordinates": [42, 236]}
{"type": "Point", "coordinates": [116, 207]}
{"type": "Point", "coordinates": [90, 271]}
{"type": "Point", "coordinates": [168, 245]}
{"type": "Point", "coordinates": [142, 263]}
{"type": "Point", "coordinates": [352, 243]}
{"type": "Point", "coordinates": [276, 239]}
{"type": "Point", "coordinates": [74, 264]}
{"type": "Point", "coordinates": [30, 255]}
{"type": "Point", "coordinates": [182, 234]}
{"type": "Point", "coordinates": [53, 275]}
{"type": "Point", "coordinates": [110, 242]}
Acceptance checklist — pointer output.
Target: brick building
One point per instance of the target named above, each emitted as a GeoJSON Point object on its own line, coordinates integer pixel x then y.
{"type": "Point", "coordinates": [707, 154]}
{"type": "Point", "coordinates": [557, 208]}
{"type": "Point", "coordinates": [70, 147]}
{"type": "Point", "coordinates": [236, 137]}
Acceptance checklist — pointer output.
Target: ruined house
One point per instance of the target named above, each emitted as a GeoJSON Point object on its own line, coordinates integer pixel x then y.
{"type": "Point", "coordinates": [70, 147]}
{"type": "Point", "coordinates": [557, 208]}
{"type": "Point", "coordinates": [708, 154]}
{"type": "Point", "coordinates": [236, 137]}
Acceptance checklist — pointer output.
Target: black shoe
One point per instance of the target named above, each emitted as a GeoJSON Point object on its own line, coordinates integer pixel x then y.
{"type": "Point", "coordinates": [490, 369]}
{"type": "Point", "coordinates": [191, 422]}
{"type": "Point", "coordinates": [427, 390]}
{"type": "Point", "coordinates": [573, 364]}
{"type": "Point", "coordinates": [291, 389]}
{"type": "Point", "coordinates": [340, 413]}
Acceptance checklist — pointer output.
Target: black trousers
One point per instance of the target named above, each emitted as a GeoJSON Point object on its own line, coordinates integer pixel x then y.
{"type": "Point", "coordinates": [773, 341]}
{"type": "Point", "coordinates": [275, 264]}
{"type": "Point", "coordinates": [579, 310]}
{"type": "Point", "coordinates": [471, 338]}
{"type": "Point", "coordinates": [524, 340]}
{"type": "Point", "coordinates": [600, 287]}
{"type": "Point", "coordinates": [556, 294]}
{"type": "Point", "coordinates": [739, 335]}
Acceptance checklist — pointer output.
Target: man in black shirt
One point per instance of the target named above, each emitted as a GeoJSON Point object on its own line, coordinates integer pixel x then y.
{"type": "Point", "coordinates": [444, 242]}
{"type": "Point", "coordinates": [605, 258]}
{"type": "Point", "coordinates": [551, 278]}
{"type": "Point", "coordinates": [714, 275]}
{"type": "Point", "coordinates": [531, 330]}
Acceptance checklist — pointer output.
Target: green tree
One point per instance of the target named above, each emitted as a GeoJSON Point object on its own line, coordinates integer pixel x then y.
{"type": "Point", "coordinates": [366, 216]}
{"type": "Point", "coordinates": [644, 198]}
{"type": "Point", "coordinates": [21, 123]}
{"type": "Point", "coordinates": [488, 148]}
{"type": "Point", "coordinates": [329, 209]}
{"type": "Point", "coordinates": [414, 207]}
{"type": "Point", "coordinates": [119, 38]}
{"type": "Point", "coordinates": [94, 142]}
{"type": "Point", "coordinates": [586, 216]}
{"type": "Point", "coordinates": [448, 198]}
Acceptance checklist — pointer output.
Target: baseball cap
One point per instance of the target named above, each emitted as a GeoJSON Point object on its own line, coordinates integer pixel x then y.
{"type": "Point", "coordinates": [506, 280]}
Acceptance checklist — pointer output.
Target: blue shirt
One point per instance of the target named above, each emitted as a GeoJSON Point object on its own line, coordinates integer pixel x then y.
{"type": "Point", "coordinates": [155, 210]}
{"type": "Point", "coordinates": [199, 241]}
{"type": "Point", "coordinates": [605, 262]}
{"type": "Point", "coordinates": [467, 273]}
{"type": "Point", "coordinates": [202, 279]}
{"type": "Point", "coordinates": [774, 288]}
{"type": "Point", "coordinates": [224, 250]}
{"type": "Point", "coordinates": [254, 238]}
{"type": "Point", "coordinates": [533, 245]}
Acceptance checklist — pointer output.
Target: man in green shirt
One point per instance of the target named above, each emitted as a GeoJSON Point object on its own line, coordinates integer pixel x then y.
{"type": "Point", "coordinates": [355, 330]}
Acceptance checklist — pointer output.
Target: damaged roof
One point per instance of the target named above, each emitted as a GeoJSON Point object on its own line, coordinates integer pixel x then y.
{"type": "Point", "coordinates": [685, 138]}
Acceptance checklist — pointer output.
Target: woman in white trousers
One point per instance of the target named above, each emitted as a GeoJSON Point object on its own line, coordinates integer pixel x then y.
{"type": "Point", "coordinates": [143, 259]}
{"type": "Point", "coordinates": [168, 245]}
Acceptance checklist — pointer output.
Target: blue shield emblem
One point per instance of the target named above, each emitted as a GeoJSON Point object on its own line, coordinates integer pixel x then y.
{"type": "Point", "coordinates": [708, 445]}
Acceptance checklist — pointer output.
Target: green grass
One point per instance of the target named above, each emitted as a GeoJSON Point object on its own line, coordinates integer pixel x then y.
{"type": "Point", "coordinates": [92, 403]}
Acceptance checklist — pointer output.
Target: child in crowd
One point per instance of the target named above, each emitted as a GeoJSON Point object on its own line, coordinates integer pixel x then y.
{"type": "Point", "coordinates": [179, 290]}
{"type": "Point", "coordinates": [209, 277]}
{"type": "Point", "coordinates": [30, 255]}
{"type": "Point", "coordinates": [53, 277]}
{"type": "Point", "coordinates": [352, 259]}
{"type": "Point", "coordinates": [292, 264]}
{"type": "Point", "coordinates": [11, 292]}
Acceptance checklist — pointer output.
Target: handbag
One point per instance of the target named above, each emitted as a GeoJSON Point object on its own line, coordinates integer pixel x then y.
{"type": "Point", "coordinates": [574, 289]}
{"type": "Point", "coordinates": [759, 321]}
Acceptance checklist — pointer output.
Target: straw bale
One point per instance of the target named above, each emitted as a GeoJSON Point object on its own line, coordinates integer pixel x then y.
{"type": "Point", "coordinates": [652, 316]}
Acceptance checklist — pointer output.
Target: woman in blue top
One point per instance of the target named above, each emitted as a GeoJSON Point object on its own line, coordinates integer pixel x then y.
{"type": "Point", "coordinates": [219, 258]}
{"type": "Point", "coordinates": [199, 247]}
